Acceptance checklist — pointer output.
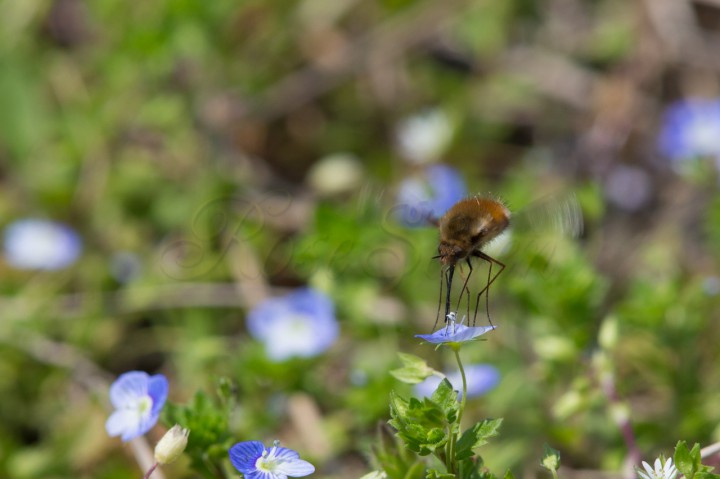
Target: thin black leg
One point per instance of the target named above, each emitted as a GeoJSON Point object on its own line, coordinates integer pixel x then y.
{"type": "Point", "coordinates": [451, 270]}
{"type": "Point", "coordinates": [486, 289]}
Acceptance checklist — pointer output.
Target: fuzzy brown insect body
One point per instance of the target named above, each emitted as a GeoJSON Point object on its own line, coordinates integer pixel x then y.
{"type": "Point", "coordinates": [468, 226]}
{"type": "Point", "coordinates": [465, 229]}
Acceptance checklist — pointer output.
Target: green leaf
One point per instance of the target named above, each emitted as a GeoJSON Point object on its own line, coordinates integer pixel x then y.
{"type": "Point", "coordinates": [423, 426]}
{"type": "Point", "coordinates": [550, 459]}
{"type": "Point", "coordinates": [434, 474]}
{"type": "Point", "coordinates": [476, 436]}
{"type": "Point", "coordinates": [417, 471]}
{"type": "Point", "coordinates": [414, 369]}
{"type": "Point", "coordinates": [446, 398]}
{"type": "Point", "coordinates": [508, 475]}
{"type": "Point", "coordinates": [687, 461]}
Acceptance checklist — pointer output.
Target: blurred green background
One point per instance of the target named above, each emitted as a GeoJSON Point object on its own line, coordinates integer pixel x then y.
{"type": "Point", "coordinates": [212, 154]}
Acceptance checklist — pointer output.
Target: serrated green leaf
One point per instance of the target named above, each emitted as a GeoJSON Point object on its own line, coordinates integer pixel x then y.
{"type": "Point", "coordinates": [444, 395]}
{"type": "Point", "coordinates": [550, 459]}
{"type": "Point", "coordinates": [687, 461]}
{"type": "Point", "coordinates": [476, 436]}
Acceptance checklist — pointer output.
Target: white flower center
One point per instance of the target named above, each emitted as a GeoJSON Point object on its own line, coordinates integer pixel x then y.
{"type": "Point", "coordinates": [144, 405]}
{"type": "Point", "coordinates": [704, 136]}
{"type": "Point", "coordinates": [268, 462]}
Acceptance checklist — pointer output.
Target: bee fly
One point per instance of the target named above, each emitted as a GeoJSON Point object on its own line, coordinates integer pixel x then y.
{"type": "Point", "coordinates": [465, 229]}
{"type": "Point", "coordinates": [470, 224]}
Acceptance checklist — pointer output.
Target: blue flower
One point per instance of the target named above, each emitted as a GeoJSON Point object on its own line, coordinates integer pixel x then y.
{"type": "Point", "coordinates": [690, 129]}
{"type": "Point", "coordinates": [300, 324]}
{"type": "Point", "coordinates": [431, 196]}
{"type": "Point", "coordinates": [454, 334]}
{"type": "Point", "coordinates": [480, 378]}
{"type": "Point", "coordinates": [255, 462]}
{"type": "Point", "coordinates": [41, 245]}
{"type": "Point", "coordinates": [138, 399]}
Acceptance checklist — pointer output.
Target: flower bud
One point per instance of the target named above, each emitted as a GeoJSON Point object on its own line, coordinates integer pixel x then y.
{"type": "Point", "coordinates": [172, 445]}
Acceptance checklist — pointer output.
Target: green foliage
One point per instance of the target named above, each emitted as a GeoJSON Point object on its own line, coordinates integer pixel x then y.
{"type": "Point", "coordinates": [476, 436]}
{"type": "Point", "coordinates": [414, 369]}
{"type": "Point", "coordinates": [207, 419]}
{"type": "Point", "coordinates": [688, 462]}
{"type": "Point", "coordinates": [550, 459]}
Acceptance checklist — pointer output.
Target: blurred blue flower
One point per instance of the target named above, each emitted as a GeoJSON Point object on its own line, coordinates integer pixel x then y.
{"type": "Point", "coordinates": [422, 138]}
{"type": "Point", "coordinates": [41, 244]}
{"type": "Point", "coordinates": [300, 324]}
{"type": "Point", "coordinates": [480, 378]}
{"type": "Point", "coordinates": [138, 399]}
{"type": "Point", "coordinates": [690, 129]}
{"type": "Point", "coordinates": [255, 462]}
{"type": "Point", "coordinates": [454, 334]}
{"type": "Point", "coordinates": [430, 197]}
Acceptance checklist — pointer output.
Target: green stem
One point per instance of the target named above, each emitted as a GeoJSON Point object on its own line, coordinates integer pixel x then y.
{"type": "Point", "coordinates": [452, 441]}
{"type": "Point", "coordinates": [464, 381]}
{"type": "Point", "coordinates": [554, 473]}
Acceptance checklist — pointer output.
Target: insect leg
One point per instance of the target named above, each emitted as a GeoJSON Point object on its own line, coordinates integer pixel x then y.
{"type": "Point", "coordinates": [486, 289]}
{"type": "Point", "coordinates": [451, 270]}
{"type": "Point", "coordinates": [437, 315]}
{"type": "Point", "coordinates": [465, 288]}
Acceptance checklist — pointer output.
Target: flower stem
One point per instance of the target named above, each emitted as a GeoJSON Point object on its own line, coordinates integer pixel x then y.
{"type": "Point", "coordinates": [464, 382]}
{"type": "Point", "coordinates": [150, 471]}
{"type": "Point", "coordinates": [452, 440]}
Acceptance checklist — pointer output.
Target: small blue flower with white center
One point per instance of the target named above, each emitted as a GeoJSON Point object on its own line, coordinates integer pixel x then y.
{"type": "Point", "coordinates": [37, 244]}
{"type": "Point", "coordinates": [255, 462]}
{"type": "Point", "coordinates": [301, 324]}
{"type": "Point", "coordinates": [481, 378]}
{"type": "Point", "coordinates": [455, 334]}
{"type": "Point", "coordinates": [691, 129]}
{"type": "Point", "coordinates": [420, 199]}
{"type": "Point", "coordinates": [138, 399]}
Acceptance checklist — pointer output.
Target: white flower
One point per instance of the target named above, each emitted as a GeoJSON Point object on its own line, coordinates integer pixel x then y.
{"type": "Point", "coordinates": [661, 471]}
{"type": "Point", "coordinates": [172, 445]}
{"type": "Point", "coordinates": [423, 138]}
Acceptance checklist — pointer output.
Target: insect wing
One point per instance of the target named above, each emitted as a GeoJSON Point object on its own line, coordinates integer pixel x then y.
{"type": "Point", "coordinates": [539, 232]}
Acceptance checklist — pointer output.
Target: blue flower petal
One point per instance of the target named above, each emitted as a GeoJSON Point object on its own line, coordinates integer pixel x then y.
{"type": "Point", "coordinates": [455, 333]}
{"type": "Point", "coordinates": [244, 455]}
{"type": "Point", "coordinates": [285, 453]}
{"type": "Point", "coordinates": [41, 245]}
{"type": "Point", "coordinates": [279, 463]}
{"type": "Point", "coordinates": [481, 378]}
{"type": "Point", "coordinates": [691, 128]}
{"type": "Point", "coordinates": [300, 324]}
{"type": "Point", "coordinates": [419, 200]}
{"type": "Point", "coordinates": [123, 423]}
{"type": "Point", "coordinates": [138, 400]}
{"type": "Point", "coordinates": [128, 387]}
{"type": "Point", "coordinates": [158, 390]}
{"type": "Point", "coordinates": [295, 468]}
